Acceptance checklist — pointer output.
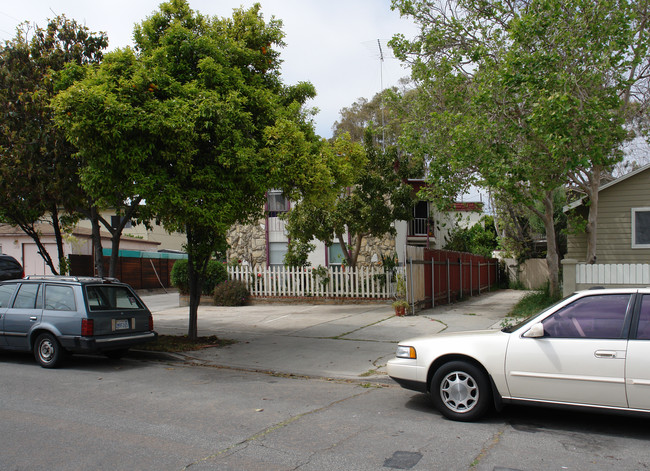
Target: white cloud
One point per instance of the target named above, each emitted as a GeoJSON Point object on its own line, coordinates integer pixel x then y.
{"type": "Point", "coordinates": [329, 43]}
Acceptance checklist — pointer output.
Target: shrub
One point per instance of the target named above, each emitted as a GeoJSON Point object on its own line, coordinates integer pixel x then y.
{"type": "Point", "coordinates": [216, 273]}
{"type": "Point", "coordinates": [231, 293]}
{"type": "Point", "coordinates": [178, 276]}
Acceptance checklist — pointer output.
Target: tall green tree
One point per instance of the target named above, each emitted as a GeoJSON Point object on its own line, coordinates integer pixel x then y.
{"type": "Point", "coordinates": [120, 147]}
{"type": "Point", "coordinates": [368, 193]}
{"type": "Point", "coordinates": [202, 122]}
{"type": "Point", "coordinates": [38, 178]}
{"type": "Point", "coordinates": [382, 114]}
{"type": "Point", "coordinates": [523, 97]}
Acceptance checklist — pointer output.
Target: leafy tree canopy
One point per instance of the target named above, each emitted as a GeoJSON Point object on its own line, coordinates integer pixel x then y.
{"type": "Point", "coordinates": [367, 195]}
{"type": "Point", "coordinates": [523, 96]}
{"type": "Point", "coordinates": [199, 121]}
{"type": "Point", "coordinates": [480, 239]}
{"type": "Point", "coordinates": [37, 175]}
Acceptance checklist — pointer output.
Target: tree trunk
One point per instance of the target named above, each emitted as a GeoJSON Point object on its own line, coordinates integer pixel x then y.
{"type": "Point", "coordinates": [194, 283]}
{"type": "Point", "coordinates": [98, 253]}
{"type": "Point", "coordinates": [63, 264]}
{"type": "Point", "coordinates": [116, 234]}
{"type": "Point", "coordinates": [552, 256]}
{"type": "Point", "coordinates": [592, 218]}
{"type": "Point", "coordinates": [351, 255]}
{"type": "Point", "coordinates": [35, 235]}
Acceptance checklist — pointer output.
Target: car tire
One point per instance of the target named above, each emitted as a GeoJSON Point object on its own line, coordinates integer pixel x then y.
{"type": "Point", "coordinates": [461, 391]}
{"type": "Point", "coordinates": [48, 351]}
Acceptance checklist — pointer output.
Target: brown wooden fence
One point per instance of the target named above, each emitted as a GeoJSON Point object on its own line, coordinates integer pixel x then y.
{"type": "Point", "coordinates": [444, 277]}
{"type": "Point", "coordinates": [140, 273]}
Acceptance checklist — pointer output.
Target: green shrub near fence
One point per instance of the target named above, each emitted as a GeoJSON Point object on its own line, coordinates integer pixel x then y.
{"type": "Point", "coordinates": [231, 293]}
{"type": "Point", "coordinates": [217, 272]}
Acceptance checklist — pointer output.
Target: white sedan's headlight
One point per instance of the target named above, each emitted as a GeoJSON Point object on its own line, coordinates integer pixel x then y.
{"type": "Point", "coordinates": [406, 352]}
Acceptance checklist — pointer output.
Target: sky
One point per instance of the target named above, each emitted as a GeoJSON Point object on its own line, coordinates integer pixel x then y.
{"type": "Point", "coordinates": [332, 44]}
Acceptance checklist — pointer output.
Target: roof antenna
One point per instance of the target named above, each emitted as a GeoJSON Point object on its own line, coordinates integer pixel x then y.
{"type": "Point", "coordinates": [381, 86]}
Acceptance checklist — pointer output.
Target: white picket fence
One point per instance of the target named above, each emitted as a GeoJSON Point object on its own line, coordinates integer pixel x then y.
{"type": "Point", "coordinates": [613, 274]}
{"type": "Point", "coordinates": [331, 282]}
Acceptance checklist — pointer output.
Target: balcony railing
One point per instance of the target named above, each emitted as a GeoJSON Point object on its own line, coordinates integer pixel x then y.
{"type": "Point", "coordinates": [277, 225]}
{"type": "Point", "coordinates": [419, 227]}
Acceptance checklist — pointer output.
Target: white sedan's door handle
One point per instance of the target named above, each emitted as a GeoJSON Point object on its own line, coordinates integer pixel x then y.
{"type": "Point", "coordinates": [605, 353]}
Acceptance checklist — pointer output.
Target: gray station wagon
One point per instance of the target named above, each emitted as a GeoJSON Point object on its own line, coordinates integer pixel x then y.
{"type": "Point", "coordinates": [55, 315]}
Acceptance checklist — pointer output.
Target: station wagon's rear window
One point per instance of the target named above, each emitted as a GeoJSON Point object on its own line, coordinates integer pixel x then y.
{"type": "Point", "coordinates": [107, 298]}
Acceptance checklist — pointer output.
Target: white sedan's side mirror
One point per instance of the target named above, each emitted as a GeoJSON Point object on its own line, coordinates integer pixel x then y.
{"type": "Point", "coordinates": [536, 331]}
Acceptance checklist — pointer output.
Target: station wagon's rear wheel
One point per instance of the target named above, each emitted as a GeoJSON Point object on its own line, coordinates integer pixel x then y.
{"type": "Point", "coordinates": [48, 351]}
{"type": "Point", "coordinates": [461, 391]}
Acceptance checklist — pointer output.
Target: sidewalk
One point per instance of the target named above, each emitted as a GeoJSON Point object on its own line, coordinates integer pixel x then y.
{"type": "Point", "coordinates": [351, 342]}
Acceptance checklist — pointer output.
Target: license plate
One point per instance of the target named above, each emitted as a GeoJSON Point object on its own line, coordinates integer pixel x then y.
{"type": "Point", "coordinates": [121, 324]}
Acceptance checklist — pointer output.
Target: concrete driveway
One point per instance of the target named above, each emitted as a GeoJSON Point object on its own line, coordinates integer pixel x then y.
{"type": "Point", "coordinates": [348, 341]}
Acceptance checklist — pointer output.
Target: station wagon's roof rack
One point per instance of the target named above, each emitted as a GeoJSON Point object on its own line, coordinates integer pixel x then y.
{"type": "Point", "coordinates": [71, 278]}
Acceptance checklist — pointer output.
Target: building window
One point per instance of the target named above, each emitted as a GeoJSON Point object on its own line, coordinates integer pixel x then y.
{"type": "Point", "coordinates": [276, 203]}
{"type": "Point", "coordinates": [335, 255]}
{"type": "Point", "coordinates": [115, 221]}
{"type": "Point", "coordinates": [277, 250]}
{"type": "Point", "coordinates": [641, 228]}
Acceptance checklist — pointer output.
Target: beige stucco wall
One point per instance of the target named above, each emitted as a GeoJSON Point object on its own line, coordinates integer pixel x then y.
{"type": "Point", "coordinates": [20, 246]}
{"type": "Point", "coordinates": [614, 231]}
{"type": "Point", "coordinates": [533, 273]}
{"type": "Point", "coordinates": [157, 233]}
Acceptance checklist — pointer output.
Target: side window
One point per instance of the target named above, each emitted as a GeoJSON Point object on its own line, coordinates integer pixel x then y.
{"type": "Point", "coordinates": [643, 332]}
{"type": "Point", "coordinates": [59, 298]}
{"type": "Point", "coordinates": [593, 317]}
{"type": "Point", "coordinates": [27, 297]}
{"type": "Point", "coordinates": [5, 294]}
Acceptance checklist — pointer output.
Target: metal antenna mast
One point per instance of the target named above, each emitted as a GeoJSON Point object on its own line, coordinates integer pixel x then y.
{"type": "Point", "coordinates": [381, 86]}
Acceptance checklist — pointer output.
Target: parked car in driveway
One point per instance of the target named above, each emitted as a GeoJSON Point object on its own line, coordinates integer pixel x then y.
{"type": "Point", "coordinates": [55, 315]}
{"type": "Point", "coordinates": [590, 350]}
{"type": "Point", "coordinates": [10, 268]}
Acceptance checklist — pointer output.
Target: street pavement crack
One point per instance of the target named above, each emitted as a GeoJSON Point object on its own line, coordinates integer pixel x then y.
{"type": "Point", "coordinates": [244, 443]}
{"type": "Point", "coordinates": [361, 328]}
{"type": "Point", "coordinates": [439, 321]}
{"type": "Point", "coordinates": [496, 438]}
{"type": "Point", "coordinates": [331, 447]}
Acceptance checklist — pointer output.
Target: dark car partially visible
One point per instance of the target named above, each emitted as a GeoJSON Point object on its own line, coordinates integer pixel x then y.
{"type": "Point", "coordinates": [10, 268]}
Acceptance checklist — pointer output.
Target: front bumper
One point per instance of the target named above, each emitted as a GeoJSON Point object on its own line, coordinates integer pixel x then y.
{"type": "Point", "coordinates": [407, 374]}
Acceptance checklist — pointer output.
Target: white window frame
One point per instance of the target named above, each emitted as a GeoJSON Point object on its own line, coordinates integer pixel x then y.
{"type": "Point", "coordinates": [633, 214]}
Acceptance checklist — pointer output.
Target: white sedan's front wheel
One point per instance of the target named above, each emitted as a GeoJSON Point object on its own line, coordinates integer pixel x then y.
{"type": "Point", "coordinates": [461, 391]}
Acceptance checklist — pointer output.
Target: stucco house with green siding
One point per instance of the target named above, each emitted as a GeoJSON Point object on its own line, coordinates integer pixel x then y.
{"type": "Point", "coordinates": [623, 231]}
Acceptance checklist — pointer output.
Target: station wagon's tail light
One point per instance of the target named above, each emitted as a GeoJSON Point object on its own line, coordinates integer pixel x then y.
{"type": "Point", "coordinates": [87, 327]}
{"type": "Point", "coordinates": [150, 322]}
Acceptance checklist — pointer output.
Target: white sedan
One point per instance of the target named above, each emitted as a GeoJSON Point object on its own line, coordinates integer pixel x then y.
{"type": "Point", "coordinates": [591, 349]}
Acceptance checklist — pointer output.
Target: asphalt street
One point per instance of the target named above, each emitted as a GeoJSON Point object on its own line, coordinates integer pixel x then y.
{"type": "Point", "coordinates": [302, 389]}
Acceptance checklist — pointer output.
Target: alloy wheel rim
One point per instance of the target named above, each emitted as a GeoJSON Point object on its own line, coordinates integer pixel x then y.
{"type": "Point", "coordinates": [459, 392]}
